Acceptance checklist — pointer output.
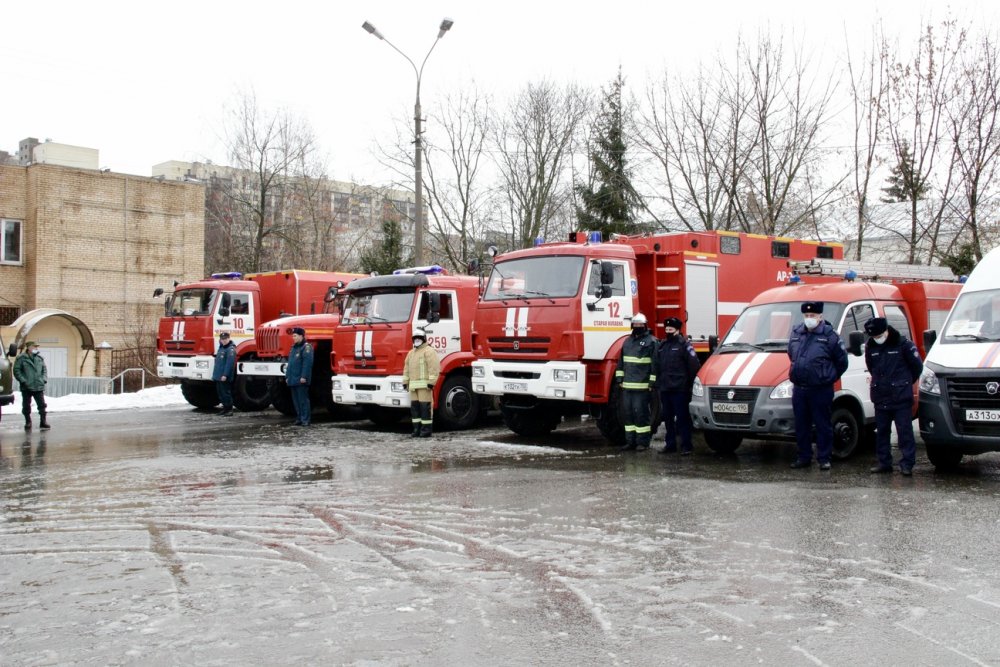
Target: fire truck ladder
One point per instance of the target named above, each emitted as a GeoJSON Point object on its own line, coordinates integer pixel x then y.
{"type": "Point", "coordinates": [874, 271]}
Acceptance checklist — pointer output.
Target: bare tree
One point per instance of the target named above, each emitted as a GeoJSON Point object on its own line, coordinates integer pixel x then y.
{"type": "Point", "coordinates": [869, 85]}
{"type": "Point", "coordinates": [533, 143]}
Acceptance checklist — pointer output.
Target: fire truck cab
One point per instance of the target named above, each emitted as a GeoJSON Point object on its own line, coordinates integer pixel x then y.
{"type": "Point", "coordinates": [552, 318]}
{"type": "Point", "coordinates": [374, 334]}
{"type": "Point", "coordinates": [960, 387]}
{"type": "Point", "coordinates": [743, 390]}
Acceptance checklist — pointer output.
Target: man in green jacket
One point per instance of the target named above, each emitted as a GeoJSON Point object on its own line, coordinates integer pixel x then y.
{"type": "Point", "coordinates": [29, 370]}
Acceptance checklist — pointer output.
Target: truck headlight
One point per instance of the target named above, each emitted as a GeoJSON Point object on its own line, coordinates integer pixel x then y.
{"type": "Point", "coordinates": [396, 386]}
{"type": "Point", "coordinates": [336, 385]}
{"type": "Point", "coordinates": [478, 372]}
{"type": "Point", "coordinates": [929, 382]}
{"type": "Point", "coordinates": [159, 362]}
{"type": "Point", "coordinates": [697, 389]}
{"type": "Point", "coordinates": [202, 365]}
{"type": "Point", "coordinates": [783, 390]}
{"type": "Point", "coordinates": [564, 375]}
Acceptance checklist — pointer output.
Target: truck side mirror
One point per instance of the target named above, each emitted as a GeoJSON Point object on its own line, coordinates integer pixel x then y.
{"type": "Point", "coordinates": [930, 337]}
{"type": "Point", "coordinates": [12, 350]}
{"type": "Point", "coordinates": [607, 273]}
{"type": "Point", "coordinates": [713, 343]}
{"type": "Point", "coordinates": [855, 340]}
{"type": "Point", "coordinates": [433, 307]}
{"type": "Point", "coordinates": [227, 301]}
{"type": "Point", "coordinates": [473, 266]}
{"type": "Point", "coordinates": [331, 295]}
{"type": "Point", "coordinates": [157, 292]}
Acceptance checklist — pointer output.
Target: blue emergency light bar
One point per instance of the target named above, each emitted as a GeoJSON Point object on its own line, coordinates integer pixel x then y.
{"type": "Point", "coordinates": [595, 237]}
{"type": "Point", "coordinates": [426, 270]}
{"type": "Point", "coordinates": [539, 240]}
{"type": "Point", "coordinates": [850, 275]}
{"type": "Point", "coordinates": [230, 275]}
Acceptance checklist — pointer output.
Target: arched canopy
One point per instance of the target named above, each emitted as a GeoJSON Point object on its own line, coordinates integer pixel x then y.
{"type": "Point", "coordinates": [24, 324]}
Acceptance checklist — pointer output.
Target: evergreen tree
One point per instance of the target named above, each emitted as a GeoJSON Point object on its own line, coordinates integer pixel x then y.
{"type": "Point", "coordinates": [904, 184]}
{"type": "Point", "coordinates": [387, 256]}
{"type": "Point", "coordinates": [609, 200]}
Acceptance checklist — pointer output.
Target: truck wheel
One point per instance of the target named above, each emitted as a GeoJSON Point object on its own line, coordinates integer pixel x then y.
{"type": "Point", "coordinates": [281, 398]}
{"type": "Point", "coordinates": [385, 418]}
{"type": "Point", "coordinates": [722, 442]}
{"type": "Point", "coordinates": [846, 433]}
{"type": "Point", "coordinates": [943, 457]}
{"type": "Point", "coordinates": [530, 421]}
{"type": "Point", "coordinates": [611, 421]}
{"type": "Point", "coordinates": [458, 407]}
{"type": "Point", "coordinates": [200, 394]}
{"type": "Point", "coordinates": [250, 394]}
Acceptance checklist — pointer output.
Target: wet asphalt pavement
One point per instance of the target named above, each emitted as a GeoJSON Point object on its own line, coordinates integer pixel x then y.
{"type": "Point", "coordinates": [177, 537]}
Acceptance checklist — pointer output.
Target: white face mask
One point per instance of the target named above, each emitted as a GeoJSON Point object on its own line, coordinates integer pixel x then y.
{"type": "Point", "coordinates": [880, 339]}
{"type": "Point", "coordinates": [34, 350]}
{"type": "Point", "coordinates": [811, 322]}
{"type": "Point", "coordinates": [417, 342]}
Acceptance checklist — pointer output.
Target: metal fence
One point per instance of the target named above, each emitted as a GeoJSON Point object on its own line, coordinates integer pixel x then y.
{"type": "Point", "coordinates": [57, 387]}
{"type": "Point", "coordinates": [126, 360]}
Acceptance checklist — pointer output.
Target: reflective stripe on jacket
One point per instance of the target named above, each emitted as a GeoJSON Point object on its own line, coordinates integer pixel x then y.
{"type": "Point", "coordinates": [637, 365]}
{"type": "Point", "coordinates": [421, 367]}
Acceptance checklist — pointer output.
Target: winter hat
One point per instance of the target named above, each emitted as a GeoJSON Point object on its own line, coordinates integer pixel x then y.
{"type": "Point", "coordinates": [299, 330]}
{"type": "Point", "coordinates": [812, 307]}
{"type": "Point", "coordinates": [876, 326]}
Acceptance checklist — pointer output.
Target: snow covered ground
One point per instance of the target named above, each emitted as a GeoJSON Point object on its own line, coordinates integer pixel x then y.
{"type": "Point", "coordinates": [154, 397]}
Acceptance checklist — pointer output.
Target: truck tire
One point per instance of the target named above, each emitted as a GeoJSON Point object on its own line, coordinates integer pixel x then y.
{"type": "Point", "coordinates": [611, 421]}
{"type": "Point", "coordinates": [458, 407]}
{"type": "Point", "coordinates": [251, 394]}
{"type": "Point", "coordinates": [943, 457]}
{"type": "Point", "coordinates": [530, 421]}
{"type": "Point", "coordinates": [847, 433]}
{"type": "Point", "coordinates": [722, 442]}
{"type": "Point", "coordinates": [281, 398]}
{"type": "Point", "coordinates": [200, 394]}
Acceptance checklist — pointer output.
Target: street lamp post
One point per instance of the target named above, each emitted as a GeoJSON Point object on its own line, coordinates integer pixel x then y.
{"type": "Point", "coordinates": [418, 147]}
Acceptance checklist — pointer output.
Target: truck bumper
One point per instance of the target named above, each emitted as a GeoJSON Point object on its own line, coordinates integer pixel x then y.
{"type": "Point", "coordinates": [559, 380]}
{"type": "Point", "coordinates": [256, 367]}
{"type": "Point", "coordinates": [764, 416]}
{"type": "Point", "coordinates": [386, 391]}
{"type": "Point", "coordinates": [938, 428]}
{"type": "Point", "coordinates": [185, 368]}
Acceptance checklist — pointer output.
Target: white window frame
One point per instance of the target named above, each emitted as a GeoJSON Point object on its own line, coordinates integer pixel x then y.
{"type": "Point", "coordinates": [3, 241]}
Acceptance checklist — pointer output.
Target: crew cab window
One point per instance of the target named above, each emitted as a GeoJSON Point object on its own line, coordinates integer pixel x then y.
{"type": "Point", "coordinates": [240, 304]}
{"type": "Point", "coordinates": [617, 287]}
{"type": "Point", "coordinates": [897, 320]}
{"type": "Point", "coordinates": [855, 318]}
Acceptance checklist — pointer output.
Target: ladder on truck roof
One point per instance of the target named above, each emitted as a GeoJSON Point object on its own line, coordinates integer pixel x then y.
{"type": "Point", "coordinates": [874, 271]}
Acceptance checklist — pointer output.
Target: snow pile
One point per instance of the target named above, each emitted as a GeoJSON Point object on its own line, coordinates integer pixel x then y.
{"type": "Point", "coordinates": [154, 397]}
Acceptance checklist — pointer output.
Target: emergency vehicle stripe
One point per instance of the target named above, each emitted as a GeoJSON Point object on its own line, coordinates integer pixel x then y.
{"type": "Point", "coordinates": [522, 321]}
{"type": "Point", "coordinates": [509, 325]}
{"type": "Point", "coordinates": [748, 371]}
{"type": "Point", "coordinates": [734, 366]}
{"type": "Point", "coordinates": [368, 344]}
{"type": "Point", "coordinates": [359, 342]}
{"type": "Point", "coordinates": [991, 356]}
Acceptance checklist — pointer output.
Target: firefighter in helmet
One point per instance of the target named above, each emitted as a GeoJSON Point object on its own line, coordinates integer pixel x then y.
{"type": "Point", "coordinates": [420, 372]}
{"type": "Point", "coordinates": [636, 376]}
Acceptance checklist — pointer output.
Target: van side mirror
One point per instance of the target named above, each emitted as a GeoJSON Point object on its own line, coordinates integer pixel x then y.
{"type": "Point", "coordinates": [930, 337]}
{"type": "Point", "coordinates": [713, 343]}
{"type": "Point", "coordinates": [855, 340]}
{"type": "Point", "coordinates": [433, 307]}
{"type": "Point", "coordinates": [12, 350]}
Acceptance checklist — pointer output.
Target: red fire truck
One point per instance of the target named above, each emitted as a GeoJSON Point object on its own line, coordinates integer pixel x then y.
{"type": "Point", "coordinates": [274, 343]}
{"type": "Point", "coordinates": [552, 318]}
{"type": "Point", "coordinates": [743, 391]}
{"type": "Point", "coordinates": [196, 313]}
{"type": "Point", "coordinates": [374, 335]}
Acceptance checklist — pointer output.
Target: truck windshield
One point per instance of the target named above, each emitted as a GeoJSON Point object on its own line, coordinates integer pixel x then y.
{"type": "Point", "coordinates": [535, 277]}
{"type": "Point", "coordinates": [196, 301]}
{"type": "Point", "coordinates": [975, 317]}
{"type": "Point", "coordinates": [372, 306]}
{"type": "Point", "coordinates": [767, 326]}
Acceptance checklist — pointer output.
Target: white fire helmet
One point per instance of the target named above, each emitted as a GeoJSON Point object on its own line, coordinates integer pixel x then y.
{"type": "Point", "coordinates": [419, 333]}
{"type": "Point", "coordinates": [639, 319]}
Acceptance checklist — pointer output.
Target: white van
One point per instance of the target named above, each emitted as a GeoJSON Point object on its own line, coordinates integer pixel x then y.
{"type": "Point", "coordinates": [959, 408]}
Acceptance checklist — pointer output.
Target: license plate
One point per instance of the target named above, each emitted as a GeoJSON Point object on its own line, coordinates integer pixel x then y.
{"type": "Point", "coordinates": [261, 367]}
{"type": "Point", "coordinates": [515, 386]}
{"type": "Point", "coordinates": [363, 397]}
{"type": "Point", "coordinates": [982, 415]}
{"type": "Point", "coordinates": [731, 408]}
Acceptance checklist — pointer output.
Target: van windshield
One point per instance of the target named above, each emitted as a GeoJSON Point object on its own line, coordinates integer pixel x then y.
{"type": "Point", "coordinates": [975, 317]}
{"type": "Point", "coordinates": [768, 326]}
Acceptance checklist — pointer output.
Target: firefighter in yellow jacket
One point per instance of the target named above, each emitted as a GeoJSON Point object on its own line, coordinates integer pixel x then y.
{"type": "Point", "coordinates": [420, 372]}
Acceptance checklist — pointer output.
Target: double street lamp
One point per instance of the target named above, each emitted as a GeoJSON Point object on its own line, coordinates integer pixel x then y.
{"type": "Point", "coordinates": [418, 147]}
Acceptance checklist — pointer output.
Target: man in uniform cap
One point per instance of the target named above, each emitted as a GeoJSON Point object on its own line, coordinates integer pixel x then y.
{"type": "Point", "coordinates": [298, 376]}
{"type": "Point", "coordinates": [817, 360]}
{"type": "Point", "coordinates": [32, 376]}
{"type": "Point", "coordinates": [677, 366]}
{"type": "Point", "coordinates": [224, 373]}
{"type": "Point", "coordinates": [894, 364]}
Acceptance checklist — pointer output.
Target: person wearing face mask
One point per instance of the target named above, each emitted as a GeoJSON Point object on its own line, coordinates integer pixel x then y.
{"type": "Point", "coordinates": [677, 365]}
{"type": "Point", "coordinates": [30, 372]}
{"type": "Point", "coordinates": [298, 376]}
{"type": "Point", "coordinates": [818, 359]}
{"type": "Point", "coordinates": [894, 364]}
{"type": "Point", "coordinates": [636, 377]}
{"type": "Point", "coordinates": [420, 373]}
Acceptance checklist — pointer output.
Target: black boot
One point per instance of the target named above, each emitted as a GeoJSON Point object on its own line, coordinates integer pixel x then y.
{"type": "Point", "coordinates": [44, 425]}
{"type": "Point", "coordinates": [27, 423]}
{"type": "Point", "coordinates": [426, 420]}
{"type": "Point", "coordinates": [415, 418]}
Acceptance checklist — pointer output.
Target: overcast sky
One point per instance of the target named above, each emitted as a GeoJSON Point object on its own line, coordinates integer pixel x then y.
{"type": "Point", "coordinates": [148, 82]}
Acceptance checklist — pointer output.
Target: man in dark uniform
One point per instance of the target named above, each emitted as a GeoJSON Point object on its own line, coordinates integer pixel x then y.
{"type": "Point", "coordinates": [224, 373]}
{"type": "Point", "coordinates": [298, 376]}
{"type": "Point", "coordinates": [636, 375]}
{"type": "Point", "coordinates": [818, 359]}
{"type": "Point", "coordinates": [894, 364]}
{"type": "Point", "coordinates": [677, 364]}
